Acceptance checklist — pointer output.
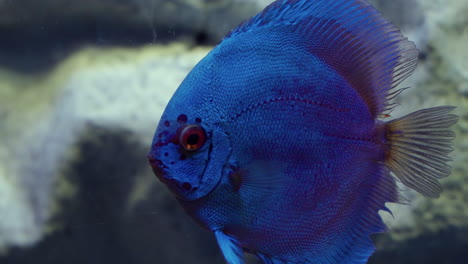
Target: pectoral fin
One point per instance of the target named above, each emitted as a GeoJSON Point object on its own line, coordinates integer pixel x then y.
{"type": "Point", "coordinates": [260, 178]}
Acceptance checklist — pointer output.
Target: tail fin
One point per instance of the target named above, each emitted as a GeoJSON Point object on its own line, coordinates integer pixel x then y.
{"type": "Point", "coordinates": [418, 146]}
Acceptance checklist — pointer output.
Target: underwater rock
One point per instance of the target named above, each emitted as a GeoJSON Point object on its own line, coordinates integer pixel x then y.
{"type": "Point", "coordinates": [21, 111]}
{"type": "Point", "coordinates": [115, 212]}
{"type": "Point", "coordinates": [43, 118]}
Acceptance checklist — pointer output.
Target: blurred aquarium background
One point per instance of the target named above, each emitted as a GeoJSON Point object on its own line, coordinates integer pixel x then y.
{"type": "Point", "coordinates": [82, 87]}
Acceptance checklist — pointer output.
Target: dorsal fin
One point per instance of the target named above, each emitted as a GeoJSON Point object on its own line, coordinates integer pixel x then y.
{"type": "Point", "coordinates": [349, 35]}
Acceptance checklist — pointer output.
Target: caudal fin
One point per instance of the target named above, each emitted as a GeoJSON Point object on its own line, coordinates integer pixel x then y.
{"type": "Point", "coordinates": [418, 145]}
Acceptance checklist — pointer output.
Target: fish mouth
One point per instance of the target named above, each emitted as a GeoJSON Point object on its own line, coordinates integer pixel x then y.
{"type": "Point", "coordinates": [160, 170]}
{"type": "Point", "coordinates": [158, 167]}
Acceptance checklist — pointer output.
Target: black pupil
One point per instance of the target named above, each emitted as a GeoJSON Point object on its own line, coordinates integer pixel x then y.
{"type": "Point", "coordinates": [192, 139]}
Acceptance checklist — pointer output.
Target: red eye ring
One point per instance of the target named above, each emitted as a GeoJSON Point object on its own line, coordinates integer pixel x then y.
{"type": "Point", "coordinates": [192, 137]}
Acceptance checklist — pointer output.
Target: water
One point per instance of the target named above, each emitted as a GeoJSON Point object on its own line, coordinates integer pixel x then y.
{"type": "Point", "coordinates": [82, 85]}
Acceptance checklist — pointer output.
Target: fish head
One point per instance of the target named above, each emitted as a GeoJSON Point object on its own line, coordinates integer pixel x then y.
{"type": "Point", "coordinates": [188, 152]}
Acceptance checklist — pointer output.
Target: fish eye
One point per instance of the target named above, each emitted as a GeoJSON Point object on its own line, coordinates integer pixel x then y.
{"type": "Point", "coordinates": [192, 137]}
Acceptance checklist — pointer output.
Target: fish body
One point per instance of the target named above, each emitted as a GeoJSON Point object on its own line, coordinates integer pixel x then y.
{"type": "Point", "coordinates": [275, 140]}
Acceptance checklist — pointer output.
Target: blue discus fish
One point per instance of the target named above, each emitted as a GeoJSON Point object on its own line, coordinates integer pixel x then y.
{"type": "Point", "coordinates": [275, 140]}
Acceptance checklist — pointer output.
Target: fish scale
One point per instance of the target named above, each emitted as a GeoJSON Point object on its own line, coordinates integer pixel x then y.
{"type": "Point", "coordinates": [274, 140]}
